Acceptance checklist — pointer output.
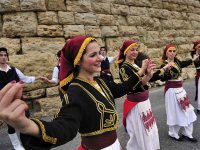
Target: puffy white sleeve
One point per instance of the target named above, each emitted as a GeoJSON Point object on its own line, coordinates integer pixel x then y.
{"type": "Point", "coordinates": [55, 74]}
{"type": "Point", "coordinates": [111, 59]}
{"type": "Point", "coordinates": [24, 78]}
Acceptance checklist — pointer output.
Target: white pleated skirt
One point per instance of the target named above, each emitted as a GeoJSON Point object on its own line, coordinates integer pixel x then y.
{"type": "Point", "coordinates": [139, 139]}
{"type": "Point", "coordinates": [175, 115]}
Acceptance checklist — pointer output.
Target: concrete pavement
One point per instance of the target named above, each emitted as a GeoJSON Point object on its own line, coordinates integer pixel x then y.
{"type": "Point", "coordinates": [157, 101]}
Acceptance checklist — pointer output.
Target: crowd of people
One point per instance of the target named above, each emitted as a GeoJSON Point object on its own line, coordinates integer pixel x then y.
{"type": "Point", "coordinates": [89, 106]}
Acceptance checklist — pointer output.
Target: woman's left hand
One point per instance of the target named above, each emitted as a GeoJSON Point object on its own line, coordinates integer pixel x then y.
{"type": "Point", "coordinates": [12, 108]}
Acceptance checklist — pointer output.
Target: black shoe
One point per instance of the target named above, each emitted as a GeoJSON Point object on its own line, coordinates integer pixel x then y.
{"type": "Point", "coordinates": [179, 139]}
{"type": "Point", "coordinates": [198, 111]}
{"type": "Point", "coordinates": [194, 140]}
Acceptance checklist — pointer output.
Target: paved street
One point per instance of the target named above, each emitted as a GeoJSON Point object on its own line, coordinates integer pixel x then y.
{"type": "Point", "coordinates": [157, 101]}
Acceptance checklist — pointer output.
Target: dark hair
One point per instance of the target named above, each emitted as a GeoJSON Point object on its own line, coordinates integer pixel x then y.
{"type": "Point", "coordinates": [141, 56]}
{"type": "Point", "coordinates": [3, 49]}
{"type": "Point", "coordinates": [86, 47]}
{"type": "Point", "coordinates": [77, 67]}
{"type": "Point", "coordinates": [192, 53]}
{"type": "Point", "coordinates": [104, 48]}
{"type": "Point", "coordinates": [58, 53]}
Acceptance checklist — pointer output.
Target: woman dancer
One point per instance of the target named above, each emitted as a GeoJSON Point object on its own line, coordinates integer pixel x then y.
{"type": "Point", "coordinates": [180, 112]}
{"type": "Point", "coordinates": [138, 116]}
{"type": "Point", "coordinates": [196, 51]}
{"type": "Point", "coordinates": [90, 110]}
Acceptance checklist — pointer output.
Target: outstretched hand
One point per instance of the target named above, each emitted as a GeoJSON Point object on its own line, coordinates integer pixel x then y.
{"type": "Point", "coordinates": [195, 57]}
{"type": "Point", "coordinates": [45, 79]}
{"type": "Point", "coordinates": [12, 108]}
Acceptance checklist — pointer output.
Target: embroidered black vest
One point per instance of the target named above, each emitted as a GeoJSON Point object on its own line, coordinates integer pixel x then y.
{"type": "Point", "coordinates": [6, 77]}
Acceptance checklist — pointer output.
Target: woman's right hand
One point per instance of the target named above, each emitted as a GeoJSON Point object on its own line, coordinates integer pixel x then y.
{"type": "Point", "coordinates": [45, 79]}
{"type": "Point", "coordinates": [145, 64]}
{"type": "Point", "coordinates": [12, 109]}
{"type": "Point", "coordinates": [143, 67]}
{"type": "Point", "coordinates": [150, 68]}
{"type": "Point", "coordinates": [168, 66]}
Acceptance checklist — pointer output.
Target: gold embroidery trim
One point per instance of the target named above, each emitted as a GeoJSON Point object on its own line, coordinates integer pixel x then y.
{"type": "Point", "coordinates": [99, 132]}
{"type": "Point", "coordinates": [98, 104]}
{"type": "Point", "coordinates": [130, 46]}
{"type": "Point", "coordinates": [56, 115]}
{"type": "Point", "coordinates": [81, 50]}
{"type": "Point", "coordinates": [65, 81]}
{"type": "Point", "coordinates": [173, 74]}
{"type": "Point", "coordinates": [131, 67]}
{"type": "Point", "coordinates": [105, 86]}
{"type": "Point", "coordinates": [102, 87]}
{"type": "Point", "coordinates": [125, 75]}
{"type": "Point", "coordinates": [177, 67]}
{"type": "Point", "coordinates": [76, 60]}
{"type": "Point", "coordinates": [119, 61]}
{"type": "Point", "coordinates": [161, 72]}
{"type": "Point", "coordinates": [66, 98]}
{"type": "Point", "coordinates": [45, 137]}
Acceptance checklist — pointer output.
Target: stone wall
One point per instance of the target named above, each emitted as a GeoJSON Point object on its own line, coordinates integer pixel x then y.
{"type": "Point", "coordinates": [34, 30]}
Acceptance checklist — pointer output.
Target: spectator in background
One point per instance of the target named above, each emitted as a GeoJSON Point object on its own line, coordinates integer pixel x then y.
{"type": "Point", "coordinates": [9, 74]}
{"type": "Point", "coordinates": [105, 64]}
{"type": "Point", "coordinates": [55, 76]}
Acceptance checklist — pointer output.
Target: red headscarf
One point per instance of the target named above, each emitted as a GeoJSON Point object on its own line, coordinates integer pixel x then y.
{"type": "Point", "coordinates": [196, 43]}
{"type": "Point", "coordinates": [167, 47]}
{"type": "Point", "coordinates": [123, 50]}
{"type": "Point", "coordinates": [71, 54]}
